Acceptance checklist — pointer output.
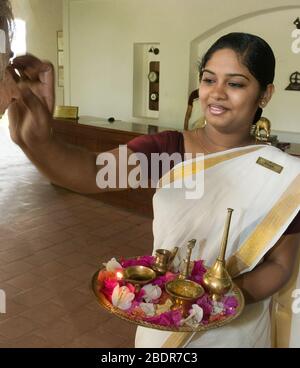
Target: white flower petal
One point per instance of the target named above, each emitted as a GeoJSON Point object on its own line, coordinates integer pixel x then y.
{"type": "Point", "coordinates": [198, 313]}
{"type": "Point", "coordinates": [122, 297]}
{"type": "Point", "coordinates": [152, 292]}
{"type": "Point", "coordinates": [148, 309]}
{"type": "Point", "coordinates": [218, 308]}
{"type": "Point", "coordinates": [112, 265]}
{"type": "Point", "coordinates": [195, 316]}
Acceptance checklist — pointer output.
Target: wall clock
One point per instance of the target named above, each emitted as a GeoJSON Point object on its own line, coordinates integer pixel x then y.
{"type": "Point", "coordinates": [153, 77]}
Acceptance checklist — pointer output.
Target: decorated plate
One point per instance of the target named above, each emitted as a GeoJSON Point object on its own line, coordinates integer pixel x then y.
{"type": "Point", "coordinates": [130, 290]}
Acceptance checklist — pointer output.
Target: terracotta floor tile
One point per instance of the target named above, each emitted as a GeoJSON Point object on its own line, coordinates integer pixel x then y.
{"type": "Point", "coordinates": [68, 221]}
{"type": "Point", "coordinates": [67, 247]}
{"type": "Point", "coordinates": [96, 339]}
{"type": "Point", "coordinates": [45, 313]}
{"type": "Point", "coordinates": [113, 230]}
{"type": "Point", "coordinates": [15, 254]}
{"type": "Point", "coordinates": [88, 215]}
{"type": "Point", "coordinates": [6, 232]}
{"type": "Point", "coordinates": [50, 270]}
{"type": "Point", "coordinates": [13, 309]}
{"type": "Point", "coordinates": [85, 319]}
{"type": "Point", "coordinates": [123, 251]}
{"type": "Point", "coordinates": [15, 268]}
{"type": "Point", "coordinates": [58, 333]}
{"type": "Point", "coordinates": [138, 219]}
{"type": "Point", "coordinates": [13, 243]}
{"type": "Point", "coordinates": [34, 296]}
{"type": "Point", "coordinates": [74, 231]}
{"type": "Point", "coordinates": [142, 243]}
{"type": "Point", "coordinates": [95, 306]}
{"type": "Point", "coordinates": [60, 284]}
{"type": "Point", "coordinates": [118, 327]}
{"type": "Point", "coordinates": [51, 243]}
{"type": "Point", "coordinates": [37, 244]}
{"type": "Point", "coordinates": [42, 257]}
{"type": "Point", "coordinates": [10, 290]}
{"type": "Point", "coordinates": [26, 281]}
{"type": "Point", "coordinates": [82, 273]}
{"type": "Point", "coordinates": [97, 222]}
{"type": "Point", "coordinates": [29, 341]}
{"type": "Point", "coordinates": [86, 288]}
{"type": "Point", "coordinates": [15, 327]}
{"type": "Point", "coordinates": [28, 233]}
{"type": "Point", "coordinates": [74, 259]}
{"type": "Point", "coordinates": [56, 237]}
{"type": "Point", "coordinates": [73, 300]}
{"type": "Point", "coordinates": [3, 275]}
{"type": "Point", "coordinates": [41, 224]}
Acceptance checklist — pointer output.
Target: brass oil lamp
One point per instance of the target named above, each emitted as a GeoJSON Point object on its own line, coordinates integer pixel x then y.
{"type": "Point", "coordinates": [184, 292]}
{"type": "Point", "coordinates": [217, 280]}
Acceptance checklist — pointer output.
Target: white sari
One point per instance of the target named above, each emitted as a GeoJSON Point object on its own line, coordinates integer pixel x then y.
{"type": "Point", "coordinates": [264, 202]}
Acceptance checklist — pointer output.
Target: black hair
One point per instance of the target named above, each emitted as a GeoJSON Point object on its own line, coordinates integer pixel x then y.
{"type": "Point", "coordinates": [6, 16]}
{"type": "Point", "coordinates": [256, 54]}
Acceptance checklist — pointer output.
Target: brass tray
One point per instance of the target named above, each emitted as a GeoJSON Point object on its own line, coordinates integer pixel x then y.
{"type": "Point", "coordinates": [236, 292]}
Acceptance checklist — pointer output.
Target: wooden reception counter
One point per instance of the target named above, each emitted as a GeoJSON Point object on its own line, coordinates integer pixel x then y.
{"type": "Point", "coordinates": [98, 135]}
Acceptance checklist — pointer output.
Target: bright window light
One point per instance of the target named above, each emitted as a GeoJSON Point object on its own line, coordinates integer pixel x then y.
{"type": "Point", "coordinates": [18, 45]}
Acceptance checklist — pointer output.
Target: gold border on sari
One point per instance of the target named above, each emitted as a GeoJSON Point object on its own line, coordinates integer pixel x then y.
{"type": "Point", "coordinates": [281, 313]}
{"type": "Point", "coordinates": [252, 247]}
{"type": "Point", "coordinates": [178, 339]}
{"type": "Point", "coordinates": [266, 229]}
{"type": "Point", "coordinates": [184, 171]}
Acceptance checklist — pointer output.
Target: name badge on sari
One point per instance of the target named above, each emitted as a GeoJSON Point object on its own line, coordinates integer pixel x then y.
{"type": "Point", "coordinates": [269, 165]}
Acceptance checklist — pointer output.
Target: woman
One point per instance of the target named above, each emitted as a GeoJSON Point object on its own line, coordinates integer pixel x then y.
{"type": "Point", "coordinates": [236, 83]}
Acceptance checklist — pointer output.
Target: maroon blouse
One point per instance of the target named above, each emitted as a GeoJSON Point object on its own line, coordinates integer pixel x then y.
{"type": "Point", "coordinates": [171, 142]}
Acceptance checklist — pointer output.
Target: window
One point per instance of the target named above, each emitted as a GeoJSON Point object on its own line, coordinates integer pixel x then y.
{"type": "Point", "coordinates": [18, 45]}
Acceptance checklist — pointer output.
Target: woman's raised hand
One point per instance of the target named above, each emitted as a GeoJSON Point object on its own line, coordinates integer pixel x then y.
{"type": "Point", "coordinates": [30, 113]}
{"type": "Point", "coordinates": [30, 121]}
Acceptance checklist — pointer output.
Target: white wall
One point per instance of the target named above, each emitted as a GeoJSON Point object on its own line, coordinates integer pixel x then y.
{"type": "Point", "coordinates": [101, 34]}
{"type": "Point", "coordinates": [276, 28]}
{"type": "Point", "coordinates": [43, 18]}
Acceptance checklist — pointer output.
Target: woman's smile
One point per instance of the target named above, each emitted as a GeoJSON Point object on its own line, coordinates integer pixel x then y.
{"type": "Point", "coordinates": [215, 109]}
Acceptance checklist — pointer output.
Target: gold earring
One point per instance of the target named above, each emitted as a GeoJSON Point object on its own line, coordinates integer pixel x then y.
{"type": "Point", "coordinates": [263, 103]}
{"type": "Point", "coordinates": [265, 125]}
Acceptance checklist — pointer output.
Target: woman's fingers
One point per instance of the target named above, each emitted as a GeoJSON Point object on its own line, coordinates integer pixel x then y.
{"type": "Point", "coordinates": [33, 68]}
{"type": "Point", "coordinates": [36, 75]}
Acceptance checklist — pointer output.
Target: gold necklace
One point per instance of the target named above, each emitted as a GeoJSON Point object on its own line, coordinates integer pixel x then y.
{"type": "Point", "coordinates": [201, 142]}
{"type": "Point", "coordinates": [218, 145]}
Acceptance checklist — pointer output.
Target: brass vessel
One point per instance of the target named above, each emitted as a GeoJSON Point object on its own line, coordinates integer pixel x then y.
{"type": "Point", "coordinates": [217, 280]}
{"type": "Point", "coordinates": [138, 275]}
{"type": "Point", "coordinates": [184, 292]}
{"type": "Point", "coordinates": [163, 260]}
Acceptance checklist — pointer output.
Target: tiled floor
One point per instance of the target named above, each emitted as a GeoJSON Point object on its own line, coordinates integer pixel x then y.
{"type": "Point", "coordinates": [51, 243]}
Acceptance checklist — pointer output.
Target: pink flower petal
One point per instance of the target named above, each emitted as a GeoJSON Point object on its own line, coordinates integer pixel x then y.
{"type": "Point", "coordinates": [198, 272]}
{"type": "Point", "coordinates": [146, 261]}
{"type": "Point", "coordinates": [170, 318]}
